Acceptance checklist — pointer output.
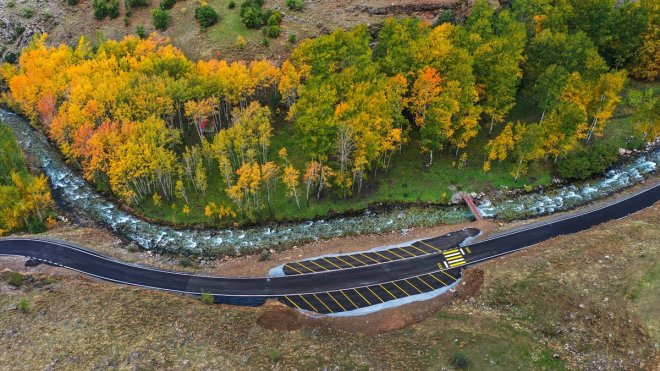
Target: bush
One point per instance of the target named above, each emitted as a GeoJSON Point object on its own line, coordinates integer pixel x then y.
{"type": "Point", "coordinates": [136, 4]}
{"type": "Point", "coordinates": [185, 262]}
{"type": "Point", "coordinates": [167, 4]}
{"type": "Point", "coordinates": [11, 57]}
{"type": "Point", "coordinates": [36, 226]}
{"type": "Point", "coordinates": [113, 9]}
{"type": "Point", "coordinates": [251, 14]}
{"type": "Point", "coordinates": [15, 279]}
{"type": "Point", "coordinates": [206, 16]}
{"type": "Point", "coordinates": [139, 30]}
{"type": "Point", "coordinates": [265, 255]}
{"type": "Point", "coordinates": [274, 18]}
{"type": "Point", "coordinates": [292, 39]}
{"type": "Point", "coordinates": [160, 18]}
{"type": "Point", "coordinates": [72, 2]}
{"type": "Point", "coordinates": [232, 4]}
{"type": "Point", "coordinates": [445, 17]}
{"type": "Point", "coordinates": [459, 360]}
{"type": "Point", "coordinates": [271, 31]}
{"type": "Point", "coordinates": [100, 9]}
{"type": "Point", "coordinates": [295, 4]}
{"type": "Point", "coordinates": [587, 162]}
{"type": "Point", "coordinates": [274, 354]}
{"type": "Point", "coordinates": [27, 13]}
{"type": "Point", "coordinates": [24, 305]}
{"type": "Point", "coordinates": [240, 42]}
{"type": "Point", "coordinates": [206, 298]}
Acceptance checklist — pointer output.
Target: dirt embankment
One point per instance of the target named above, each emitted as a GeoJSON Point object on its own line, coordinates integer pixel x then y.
{"type": "Point", "coordinates": [279, 317]}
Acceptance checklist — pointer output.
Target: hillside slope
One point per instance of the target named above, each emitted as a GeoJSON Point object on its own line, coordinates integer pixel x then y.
{"type": "Point", "coordinates": [587, 300]}
{"type": "Point", "coordinates": [19, 20]}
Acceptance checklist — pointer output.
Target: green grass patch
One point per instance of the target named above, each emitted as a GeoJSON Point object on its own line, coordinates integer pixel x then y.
{"type": "Point", "coordinates": [229, 26]}
{"type": "Point", "coordinates": [645, 296]}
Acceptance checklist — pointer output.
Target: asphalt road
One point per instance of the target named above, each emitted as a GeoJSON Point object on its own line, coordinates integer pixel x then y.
{"type": "Point", "coordinates": [254, 291]}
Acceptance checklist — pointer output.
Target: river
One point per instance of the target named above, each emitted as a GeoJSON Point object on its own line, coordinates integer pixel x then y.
{"type": "Point", "coordinates": [76, 195]}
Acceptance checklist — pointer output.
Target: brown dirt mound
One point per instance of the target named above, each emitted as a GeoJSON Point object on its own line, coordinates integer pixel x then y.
{"type": "Point", "coordinates": [279, 317]}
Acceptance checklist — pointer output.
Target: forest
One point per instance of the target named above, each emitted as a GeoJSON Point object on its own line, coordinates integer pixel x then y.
{"type": "Point", "coordinates": [25, 200]}
{"type": "Point", "coordinates": [223, 142]}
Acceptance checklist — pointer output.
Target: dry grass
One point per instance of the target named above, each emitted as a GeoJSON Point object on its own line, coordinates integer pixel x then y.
{"type": "Point", "coordinates": [587, 300]}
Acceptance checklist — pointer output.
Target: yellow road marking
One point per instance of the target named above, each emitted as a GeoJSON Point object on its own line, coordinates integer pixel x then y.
{"type": "Point", "coordinates": [406, 251]}
{"type": "Point", "coordinates": [372, 291]}
{"type": "Point", "coordinates": [392, 251]}
{"type": "Point", "coordinates": [456, 264]}
{"type": "Point", "coordinates": [437, 279]}
{"type": "Point", "coordinates": [449, 275]}
{"type": "Point", "coordinates": [383, 256]}
{"type": "Point", "coordinates": [388, 291]}
{"type": "Point", "coordinates": [338, 267]}
{"type": "Point", "coordinates": [338, 303]}
{"type": "Point", "coordinates": [308, 303]}
{"type": "Point", "coordinates": [345, 262]}
{"type": "Point", "coordinates": [360, 261]}
{"type": "Point", "coordinates": [349, 299]}
{"type": "Point", "coordinates": [468, 250]}
{"type": "Point", "coordinates": [306, 267]}
{"type": "Point", "coordinates": [370, 258]}
{"type": "Point", "coordinates": [454, 258]}
{"type": "Point", "coordinates": [424, 282]}
{"type": "Point", "coordinates": [362, 296]}
{"type": "Point", "coordinates": [433, 247]}
{"type": "Point", "coordinates": [418, 249]}
{"type": "Point", "coordinates": [322, 302]}
{"type": "Point", "coordinates": [415, 287]}
{"type": "Point", "coordinates": [292, 302]}
{"type": "Point", "coordinates": [319, 265]}
{"type": "Point", "coordinates": [291, 266]}
{"type": "Point", "coordinates": [399, 287]}
{"type": "Point", "coordinates": [450, 251]}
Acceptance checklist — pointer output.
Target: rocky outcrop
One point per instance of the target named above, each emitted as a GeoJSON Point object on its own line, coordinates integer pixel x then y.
{"type": "Point", "coordinates": [408, 7]}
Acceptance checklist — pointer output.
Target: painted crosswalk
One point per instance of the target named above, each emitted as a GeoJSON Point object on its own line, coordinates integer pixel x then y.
{"type": "Point", "coordinates": [454, 258]}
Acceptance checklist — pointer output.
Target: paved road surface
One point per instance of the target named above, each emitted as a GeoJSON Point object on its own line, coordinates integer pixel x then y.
{"type": "Point", "coordinates": [335, 290]}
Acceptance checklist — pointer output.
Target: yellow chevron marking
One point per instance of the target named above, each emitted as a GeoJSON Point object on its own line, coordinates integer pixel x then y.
{"type": "Point", "coordinates": [349, 299]}
{"type": "Point", "coordinates": [308, 303]}
{"type": "Point", "coordinates": [372, 291]}
{"type": "Point", "coordinates": [292, 302]}
{"type": "Point", "coordinates": [424, 282]}
{"type": "Point", "coordinates": [291, 266]}
{"type": "Point", "coordinates": [338, 267]}
{"type": "Point", "coordinates": [322, 302]}
{"type": "Point", "coordinates": [415, 287]}
{"type": "Point", "coordinates": [449, 275]}
{"type": "Point", "coordinates": [433, 247]}
{"type": "Point", "coordinates": [338, 303]}
{"type": "Point", "coordinates": [362, 296]}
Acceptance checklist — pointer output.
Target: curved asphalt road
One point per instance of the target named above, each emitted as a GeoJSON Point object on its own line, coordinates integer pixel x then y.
{"type": "Point", "coordinates": [254, 291]}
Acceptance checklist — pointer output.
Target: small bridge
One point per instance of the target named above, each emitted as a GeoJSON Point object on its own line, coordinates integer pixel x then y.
{"type": "Point", "coordinates": [468, 200]}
